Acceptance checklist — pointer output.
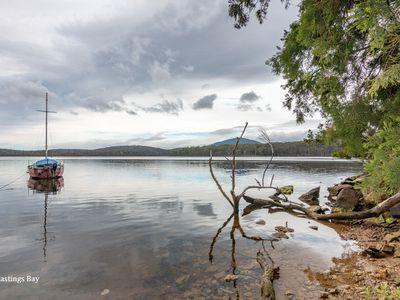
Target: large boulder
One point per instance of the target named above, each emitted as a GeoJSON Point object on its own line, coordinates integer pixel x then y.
{"type": "Point", "coordinates": [311, 197]}
{"type": "Point", "coordinates": [335, 190]}
{"type": "Point", "coordinates": [348, 200]}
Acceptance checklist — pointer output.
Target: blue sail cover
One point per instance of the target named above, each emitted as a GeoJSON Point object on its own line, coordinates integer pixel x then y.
{"type": "Point", "coordinates": [46, 162]}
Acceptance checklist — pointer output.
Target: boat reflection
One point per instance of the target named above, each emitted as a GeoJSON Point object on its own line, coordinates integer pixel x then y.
{"type": "Point", "coordinates": [46, 186]}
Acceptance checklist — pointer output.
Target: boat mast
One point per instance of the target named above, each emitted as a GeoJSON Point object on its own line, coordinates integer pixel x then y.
{"type": "Point", "coordinates": [47, 100]}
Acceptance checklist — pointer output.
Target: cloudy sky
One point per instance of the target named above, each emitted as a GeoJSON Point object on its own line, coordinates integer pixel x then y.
{"type": "Point", "coordinates": [161, 73]}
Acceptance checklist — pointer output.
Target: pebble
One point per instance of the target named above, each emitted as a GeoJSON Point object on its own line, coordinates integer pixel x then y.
{"type": "Point", "coordinates": [105, 292]}
{"type": "Point", "coordinates": [231, 277]}
{"type": "Point", "coordinates": [248, 295]}
{"type": "Point", "coordinates": [260, 222]}
{"type": "Point", "coordinates": [284, 229]}
{"type": "Point", "coordinates": [181, 279]}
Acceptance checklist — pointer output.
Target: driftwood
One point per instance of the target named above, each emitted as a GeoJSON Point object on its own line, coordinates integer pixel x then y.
{"type": "Point", "coordinates": [269, 274]}
{"type": "Point", "coordinates": [352, 215]}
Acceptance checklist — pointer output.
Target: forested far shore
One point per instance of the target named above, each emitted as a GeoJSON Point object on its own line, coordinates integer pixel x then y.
{"type": "Point", "coordinates": [280, 149]}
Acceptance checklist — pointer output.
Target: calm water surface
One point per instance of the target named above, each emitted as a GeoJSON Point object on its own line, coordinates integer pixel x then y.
{"type": "Point", "coordinates": [142, 229]}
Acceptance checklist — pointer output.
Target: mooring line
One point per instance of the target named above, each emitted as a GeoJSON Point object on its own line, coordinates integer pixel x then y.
{"type": "Point", "coordinates": [11, 182]}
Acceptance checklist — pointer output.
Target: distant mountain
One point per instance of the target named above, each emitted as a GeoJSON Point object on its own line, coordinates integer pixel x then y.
{"type": "Point", "coordinates": [107, 151]}
{"type": "Point", "coordinates": [131, 151]}
{"type": "Point", "coordinates": [247, 148]}
{"type": "Point", "coordinates": [243, 141]}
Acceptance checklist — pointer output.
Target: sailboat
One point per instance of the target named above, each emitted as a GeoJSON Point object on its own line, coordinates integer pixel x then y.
{"type": "Point", "coordinates": [46, 168]}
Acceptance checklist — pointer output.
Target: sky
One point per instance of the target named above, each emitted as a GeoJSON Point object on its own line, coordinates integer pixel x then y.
{"type": "Point", "coordinates": [166, 73]}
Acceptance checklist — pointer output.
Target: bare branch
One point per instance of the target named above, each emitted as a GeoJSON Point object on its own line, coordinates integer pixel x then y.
{"type": "Point", "coordinates": [272, 179]}
{"type": "Point", "coordinates": [217, 182]}
{"type": "Point", "coordinates": [252, 187]}
{"type": "Point", "coordinates": [233, 162]}
{"type": "Point", "coordinates": [265, 137]}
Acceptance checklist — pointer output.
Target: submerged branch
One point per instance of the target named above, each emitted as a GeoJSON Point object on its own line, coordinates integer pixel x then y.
{"type": "Point", "coordinates": [269, 274]}
{"type": "Point", "coordinates": [210, 255]}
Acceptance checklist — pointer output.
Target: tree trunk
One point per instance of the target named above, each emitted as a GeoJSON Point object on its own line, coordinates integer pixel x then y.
{"type": "Point", "coordinates": [352, 215]}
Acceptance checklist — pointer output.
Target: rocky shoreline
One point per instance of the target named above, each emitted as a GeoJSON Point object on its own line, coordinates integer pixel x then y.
{"type": "Point", "coordinates": [372, 272]}
{"type": "Point", "coordinates": [360, 275]}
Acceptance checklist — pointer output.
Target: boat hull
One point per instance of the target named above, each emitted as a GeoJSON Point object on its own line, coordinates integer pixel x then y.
{"type": "Point", "coordinates": [46, 172]}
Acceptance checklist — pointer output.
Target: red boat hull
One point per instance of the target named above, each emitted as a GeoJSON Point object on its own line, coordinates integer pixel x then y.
{"type": "Point", "coordinates": [45, 172]}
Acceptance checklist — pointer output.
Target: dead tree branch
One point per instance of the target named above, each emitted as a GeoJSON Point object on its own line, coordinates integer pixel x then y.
{"type": "Point", "coordinates": [264, 136]}
{"type": "Point", "coordinates": [233, 163]}
{"type": "Point", "coordinates": [353, 215]}
{"type": "Point", "coordinates": [235, 198]}
{"type": "Point", "coordinates": [216, 180]}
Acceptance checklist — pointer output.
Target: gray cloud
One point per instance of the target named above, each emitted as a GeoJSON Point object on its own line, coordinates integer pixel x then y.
{"type": "Point", "coordinates": [104, 105]}
{"type": "Point", "coordinates": [205, 102]}
{"type": "Point", "coordinates": [94, 61]}
{"type": "Point", "coordinates": [249, 97]}
{"type": "Point", "coordinates": [131, 112]}
{"type": "Point", "coordinates": [123, 53]}
{"type": "Point", "coordinates": [166, 106]}
{"type": "Point", "coordinates": [247, 107]}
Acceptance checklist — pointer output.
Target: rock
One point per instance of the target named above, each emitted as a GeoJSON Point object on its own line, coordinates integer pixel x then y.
{"type": "Point", "coordinates": [314, 227]}
{"type": "Point", "coordinates": [388, 249]}
{"type": "Point", "coordinates": [380, 274]}
{"type": "Point", "coordinates": [392, 237]}
{"type": "Point", "coordinates": [182, 279]}
{"type": "Point", "coordinates": [397, 250]}
{"type": "Point", "coordinates": [349, 180]}
{"type": "Point", "coordinates": [324, 295]}
{"type": "Point", "coordinates": [248, 295]}
{"type": "Point", "coordinates": [375, 253]}
{"type": "Point", "coordinates": [316, 209]}
{"type": "Point", "coordinates": [395, 211]}
{"type": "Point", "coordinates": [347, 199]}
{"type": "Point", "coordinates": [344, 186]}
{"type": "Point", "coordinates": [280, 235]}
{"type": "Point", "coordinates": [288, 293]}
{"type": "Point", "coordinates": [333, 191]}
{"type": "Point", "coordinates": [333, 291]}
{"type": "Point", "coordinates": [311, 197]}
{"type": "Point", "coordinates": [284, 229]}
{"type": "Point", "coordinates": [260, 222]}
{"type": "Point", "coordinates": [105, 292]}
{"type": "Point", "coordinates": [231, 277]}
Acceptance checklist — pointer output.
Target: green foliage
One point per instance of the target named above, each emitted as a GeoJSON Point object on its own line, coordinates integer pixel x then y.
{"type": "Point", "coordinates": [397, 281]}
{"type": "Point", "coordinates": [382, 291]}
{"type": "Point", "coordinates": [383, 168]}
{"type": "Point", "coordinates": [280, 149]}
{"type": "Point", "coordinates": [286, 190]}
{"type": "Point", "coordinates": [240, 10]}
{"type": "Point", "coordinates": [342, 59]}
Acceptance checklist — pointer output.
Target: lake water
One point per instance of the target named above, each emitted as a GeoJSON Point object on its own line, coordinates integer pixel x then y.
{"type": "Point", "coordinates": [141, 228]}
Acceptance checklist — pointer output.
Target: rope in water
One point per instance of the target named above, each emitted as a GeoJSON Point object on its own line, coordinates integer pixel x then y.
{"type": "Point", "coordinates": [11, 182]}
